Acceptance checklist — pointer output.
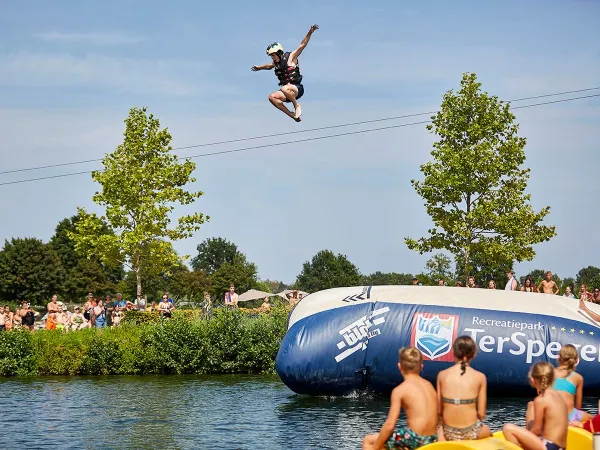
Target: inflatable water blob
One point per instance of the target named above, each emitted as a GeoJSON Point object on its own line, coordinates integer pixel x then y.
{"type": "Point", "coordinates": [347, 339]}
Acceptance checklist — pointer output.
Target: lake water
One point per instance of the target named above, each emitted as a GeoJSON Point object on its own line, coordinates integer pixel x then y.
{"type": "Point", "coordinates": [192, 412]}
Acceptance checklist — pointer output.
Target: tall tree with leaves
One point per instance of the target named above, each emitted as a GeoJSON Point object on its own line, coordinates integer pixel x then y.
{"type": "Point", "coordinates": [29, 270]}
{"type": "Point", "coordinates": [474, 189]}
{"type": "Point", "coordinates": [83, 275]}
{"type": "Point", "coordinates": [327, 270]}
{"type": "Point", "coordinates": [213, 253]}
{"type": "Point", "coordinates": [141, 182]}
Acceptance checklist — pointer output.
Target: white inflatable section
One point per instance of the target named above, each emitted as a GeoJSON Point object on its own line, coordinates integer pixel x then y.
{"type": "Point", "coordinates": [459, 297]}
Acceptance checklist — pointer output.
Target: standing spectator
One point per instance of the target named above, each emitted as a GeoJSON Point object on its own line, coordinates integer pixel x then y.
{"type": "Point", "coordinates": [110, 309]}
{"type": "Point", "coordinates": [548, 285]}
{"type": "Point", "coordinates": [100, 315]}
{"type": "Point", "coordinates": [471, 282]}
{"type": "Point", "coordinates": [511, 284]}
{"type": "Point", "coordinates": [584, 294]}
{"type": "Point", "coordinates": [53, 306]}
{"type": "Point", "coordinates": [27, 315]}
{"type": "Point", "coordinates": [596, 296]}
{"type": "Point", "coordinates": [569, 293]}
{"type": "Point", "coordinates": [88, 307]}
{"type": "Point", "coordinates": [231, 298]}
{"type": "Point", "coordinates": [528, 286]}
{"type": "Point", "coordinates": [165, 307]}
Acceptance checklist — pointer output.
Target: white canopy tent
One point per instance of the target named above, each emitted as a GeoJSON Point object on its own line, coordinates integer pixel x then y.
{"type": "Point", "coordinates": [254, 294]}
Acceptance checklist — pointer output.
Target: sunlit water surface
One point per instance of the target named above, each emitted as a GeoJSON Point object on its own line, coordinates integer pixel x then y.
{"type": "Point", "coordinates": [180, 412]}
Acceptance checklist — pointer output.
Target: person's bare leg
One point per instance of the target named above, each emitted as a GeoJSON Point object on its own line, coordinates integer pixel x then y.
{"type": "Point", "coordinates": [277, 98]}
{"type": "Point", "coordinates": [291, 92]}
{"type": "Point", "coordinates": [522, 437]}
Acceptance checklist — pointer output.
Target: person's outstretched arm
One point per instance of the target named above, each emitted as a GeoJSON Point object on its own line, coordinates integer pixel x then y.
{"type": "Point", "coordinates": [303, 44]}
{"type": "Point", "coordinates": [263, 67]}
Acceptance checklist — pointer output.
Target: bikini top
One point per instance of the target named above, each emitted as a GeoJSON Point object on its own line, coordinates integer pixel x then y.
{"type": "Point", "coordinates": [459, 401]}
{"type": "Point", "coordinates": [563, 384]}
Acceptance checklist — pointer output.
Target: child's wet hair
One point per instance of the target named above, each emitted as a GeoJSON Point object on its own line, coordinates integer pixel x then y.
{"type": "Point", "coordinates": [464, 349]}
{"type": "Point", "coordinates": [410, 359]}
{"type": "Point", "coordinates": [543, 373]}
{"type": "Point", "coordinates": [569, 357]}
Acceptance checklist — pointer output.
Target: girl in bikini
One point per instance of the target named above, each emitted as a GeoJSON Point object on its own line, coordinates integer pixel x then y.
{"type": "Point", "coordinates": [462, 396]}
{"type": "Point", "coordinates": [546, 416]}
{"type": "Point", "coordinates": [569, 383]}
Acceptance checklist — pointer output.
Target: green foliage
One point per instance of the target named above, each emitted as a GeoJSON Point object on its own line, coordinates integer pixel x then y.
{"type": "Point", "coordinates": [483, 269]}
{"type": "Point", "coordinates": [229, 342]}
{"type": "Point", "coordinates": [589, 275]}
{"type": "Point", "coordinates": [439, 266]}
{"type": "Point", "coordinates": [474, 187]}
{"type": "Point", "coordinates": [141, 182]}
{"type": "Point", "coordinates": [243, 274]}
{"type": "Point", "coordinates": [82, 274]}
{"type": "Point", "coordinates": [29, 269]}
{"type": "Point", "coordinates": [326, 271]}
{"type": "Point", "coordinates": [213, 253]}
{"type": "Point", "coordinates": [17, 354]}
{"type": "Point", "coordinates": [382, 279]}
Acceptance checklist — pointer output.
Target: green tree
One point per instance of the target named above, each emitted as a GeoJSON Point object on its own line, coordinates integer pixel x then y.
{"type": "Point", "coordinates": [29, 270]}
{"type": "Point", "coordinates": [242, 273]}
{"type": "Point", "coordinates": [83, 275]}
{"type": "Point", "coordinates": [439, 266]}
{"type": "Point", "coordinates": [483, 269]}
{"type": "Point", "coordinates": [587, 275]}
{"type": "Point", "coordinates": [141, 181]}
{"type": "Point", "coordinates": [213, 253]}
{"type": "Point", "coordinates": [386, 279]}
{"type": "Point", "coordinates": [326, 271]}
{"type": "Point", "coordinates": [474, 187]}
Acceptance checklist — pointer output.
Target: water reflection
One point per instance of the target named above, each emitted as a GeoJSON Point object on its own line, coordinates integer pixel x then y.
{"type": "Point", "coordinates": [230, 412]}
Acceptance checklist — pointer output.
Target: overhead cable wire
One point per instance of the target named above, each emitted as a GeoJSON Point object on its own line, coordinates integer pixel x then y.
{"type": "Point", "coordinates": [266, 136]}
{"type": "Point", "coordinates": [276, 144]}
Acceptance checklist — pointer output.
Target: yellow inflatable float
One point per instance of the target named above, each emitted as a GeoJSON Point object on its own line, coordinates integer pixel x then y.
{"type": "Point", "coordinates": [577, 439]}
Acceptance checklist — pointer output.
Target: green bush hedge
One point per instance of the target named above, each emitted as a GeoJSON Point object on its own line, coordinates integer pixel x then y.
{"type": "Point", "coordinates": [228, 342]}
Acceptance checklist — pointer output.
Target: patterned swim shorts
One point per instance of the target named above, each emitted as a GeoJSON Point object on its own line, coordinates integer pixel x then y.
{"type": "Point", "coordinates": [405, 438]}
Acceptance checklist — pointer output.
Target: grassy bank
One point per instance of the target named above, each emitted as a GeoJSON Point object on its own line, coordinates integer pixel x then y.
{"type": "Point", "coordinates": [229, 342]}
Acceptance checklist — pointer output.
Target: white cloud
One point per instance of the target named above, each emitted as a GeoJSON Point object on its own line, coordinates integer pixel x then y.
{"type": "Point", "coordinates": [95, 38]}
{"type": "Point", "coordinates": [145, 76]}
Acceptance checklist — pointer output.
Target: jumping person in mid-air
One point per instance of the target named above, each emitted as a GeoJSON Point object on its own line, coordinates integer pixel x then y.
{"type": "Point", "coordinates": [288, 74]}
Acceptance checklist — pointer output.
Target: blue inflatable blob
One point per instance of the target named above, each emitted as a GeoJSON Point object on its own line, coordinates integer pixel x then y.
{"type": "Point", "coordinates": [347, 339]}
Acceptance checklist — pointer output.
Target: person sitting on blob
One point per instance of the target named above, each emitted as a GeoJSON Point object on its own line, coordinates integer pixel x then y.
{"type": "Point", "coordinates": [418, 398]}
{"type": "Point", "coordinates": [461, 417]}
{"type": "Point", "coordinates": [569, 383]}
{"type": "Point", "coordinates": [288, 74]}
{"type": "Point", "coordinates": [546, 416]}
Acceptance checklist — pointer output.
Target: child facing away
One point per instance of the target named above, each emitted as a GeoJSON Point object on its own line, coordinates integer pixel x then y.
{"type": "Point", "coordinates": [418, 398]}
{"type": "Point", "coordinates": [462, 396]}
{"type": "Point", "coordinates": [546, 418]}
{"type": "Point", "coordinates": [569, 383]}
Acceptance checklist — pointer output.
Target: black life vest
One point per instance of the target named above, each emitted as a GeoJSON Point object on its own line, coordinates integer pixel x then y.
{"type": "Point", "coordinates": [286, 74]}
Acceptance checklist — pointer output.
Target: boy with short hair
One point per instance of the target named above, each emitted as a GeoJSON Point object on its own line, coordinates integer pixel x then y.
{"type": "Point", "coordinates": [419, 399]}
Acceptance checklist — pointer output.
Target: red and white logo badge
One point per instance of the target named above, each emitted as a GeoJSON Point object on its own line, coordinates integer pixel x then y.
{"type": "Point", "coordinates": [434, 334]}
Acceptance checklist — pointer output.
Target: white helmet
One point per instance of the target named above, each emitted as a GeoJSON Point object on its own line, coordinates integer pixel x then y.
{"type": "Point", "coordinates": [275, 47]}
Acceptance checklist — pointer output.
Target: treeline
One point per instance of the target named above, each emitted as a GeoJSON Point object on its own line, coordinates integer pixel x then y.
{"type": "Point", "coordinates": [229, 342]}
{"type": "Point", "coordinates": [33, 270]}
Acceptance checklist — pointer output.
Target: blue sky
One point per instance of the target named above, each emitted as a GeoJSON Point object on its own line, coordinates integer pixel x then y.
{"type": "Point", "coordinates": [70, 71]}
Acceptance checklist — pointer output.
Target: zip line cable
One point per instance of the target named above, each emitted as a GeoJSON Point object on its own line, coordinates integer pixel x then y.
{"type": "Point", "coordinates": [291, 132]}
{"type": "Point", "coordinates": [329, 136]}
